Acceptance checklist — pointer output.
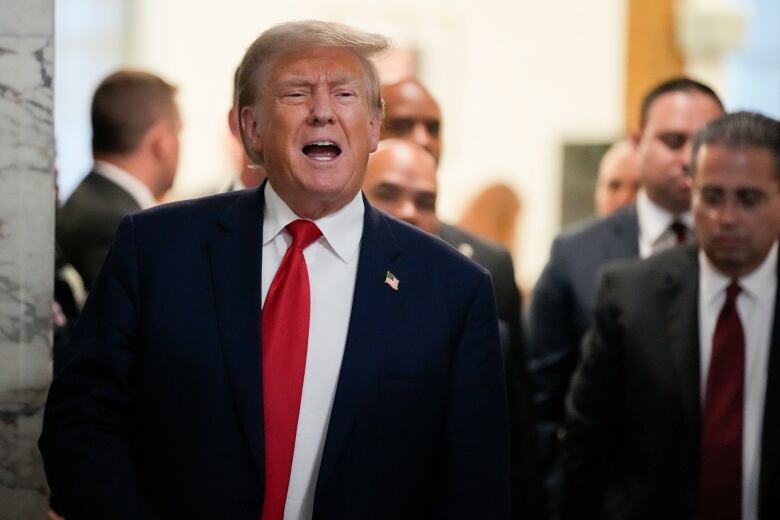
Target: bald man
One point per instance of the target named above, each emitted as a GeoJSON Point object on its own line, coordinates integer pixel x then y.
{"type": "Point", "coordinates": [401, 180]}
{"type": "Point", "coordinates": [618, 180]}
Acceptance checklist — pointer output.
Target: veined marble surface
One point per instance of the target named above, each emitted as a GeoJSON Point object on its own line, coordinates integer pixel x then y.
{"type": "Point", "coordinates": [26, 249]}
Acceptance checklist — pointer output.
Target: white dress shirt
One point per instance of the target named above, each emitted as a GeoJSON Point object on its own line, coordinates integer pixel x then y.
{"type": "Point", "coordinates": [332, 265]}
{"type": "Point", "coordinates": [654, 221]}
{"type": "Point", "coordinates": [134, 187]}
{"type": "Point", "coordinates": [756, 307]}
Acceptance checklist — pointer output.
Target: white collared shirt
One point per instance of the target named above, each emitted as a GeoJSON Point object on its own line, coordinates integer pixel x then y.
{"type": "Point", "coordinates": [756, 307]}
{"type": "Point", "coordinates": [332, 264]}
{"type": "Point", "coordinates": [654, 221]}
{"type": "Point", "coordinates": [134, 187]}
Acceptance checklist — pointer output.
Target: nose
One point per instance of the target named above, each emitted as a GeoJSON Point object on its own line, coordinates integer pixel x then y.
{"type": "Point", "coordinates": [321, 110]}
{"type": "Point", "coordinates": [685, 156]}
{"type": "Point", "coordinates": [407, 212]}
{"type": "Point", "coordinates": [421, 136]}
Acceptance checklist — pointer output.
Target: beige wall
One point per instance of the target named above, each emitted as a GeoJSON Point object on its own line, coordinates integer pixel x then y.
{"type": "Point", "coordinates": [514, 80]}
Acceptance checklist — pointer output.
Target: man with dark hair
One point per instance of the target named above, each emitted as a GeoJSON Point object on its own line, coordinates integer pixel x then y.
{"type": "Point", "coordinates": [563, 298]}
{"type": "Point", "coordinates": [286, 351]}
{"type": "Point", "coordinates": [135, 144]}
{"type": "Point", "coordinates": [674, 410]}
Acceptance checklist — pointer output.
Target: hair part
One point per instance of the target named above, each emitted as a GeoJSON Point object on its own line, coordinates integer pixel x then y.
{"type": "Point", "coordinates": [125, 106]}
{"type": "Point", "coordinates": [679, 84]}
{"type": "Point", "coordinates": [740, 130]}
{"type": "Point", "coordinates": [297, 36]}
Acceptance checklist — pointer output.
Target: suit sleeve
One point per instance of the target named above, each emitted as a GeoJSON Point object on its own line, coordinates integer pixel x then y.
{"type": "Point", "coordinates": [477, 439]}
{"type": "Point", "coordinates": [591, 428]}
{"type": "Point", "coordinates": [553, 349]}
{"type": "Point", "coordinates": [87, 422]}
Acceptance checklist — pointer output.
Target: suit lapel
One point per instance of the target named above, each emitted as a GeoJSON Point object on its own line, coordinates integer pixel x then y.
{"type": "Point", "coordinates": [375, 307]}
{"type": "Point", "coordinates": [624, 242]}
{"type": "Point", "coordinates": [682, 293]}
{"type": "Point", "coordinates": [235, 258]}
{"type": "Point", "coordinates": [770, 449]}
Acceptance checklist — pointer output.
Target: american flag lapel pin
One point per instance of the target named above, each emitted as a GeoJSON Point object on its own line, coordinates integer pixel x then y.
{"type": "Point", "coordinates": [391, 280]}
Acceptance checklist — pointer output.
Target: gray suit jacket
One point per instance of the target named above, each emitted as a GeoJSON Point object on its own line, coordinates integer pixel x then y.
{"type": "Point", "coordinates": [632, 431]}
{"type": "Point", "coordinates": [88, 221]}
{"type": "Point", "coordinates": [559, 316]}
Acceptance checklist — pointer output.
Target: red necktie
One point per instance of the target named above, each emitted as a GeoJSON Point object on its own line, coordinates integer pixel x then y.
{"type": "Point", "coordinates": [720, 478]}
{"type": "Point", "coordinates": [680, 231]}
{"type": "Point", "coordinates": [285, 339]}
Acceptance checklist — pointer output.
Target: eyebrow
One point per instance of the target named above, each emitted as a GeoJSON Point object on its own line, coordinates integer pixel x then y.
{"type": "Point", "coordinates": [305, 81]}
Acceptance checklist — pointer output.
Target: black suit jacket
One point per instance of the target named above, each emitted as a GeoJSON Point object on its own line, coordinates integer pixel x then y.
{"type": "Point", "coordinates": [88, 221]}
{"type": "Point", "coordinates": [632, 431]}
{"type": "Point", "coordinates": [526, 500]}
{"type": "Point", "coordinates": [159, 411]}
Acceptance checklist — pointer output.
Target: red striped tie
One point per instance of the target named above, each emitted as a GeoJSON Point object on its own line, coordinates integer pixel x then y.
{"type": "Point", "coordinates": [720, 477]}
{"type": "Point", "coordinates": [285, 319]}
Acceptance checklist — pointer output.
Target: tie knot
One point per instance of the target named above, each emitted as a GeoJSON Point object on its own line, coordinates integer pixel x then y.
{"type": "Point", "coordinates": [680, 231]}
{"type": "Point", "coordinates": [303, 232]}
{"type": "Point", "coordinates": [732, 291]}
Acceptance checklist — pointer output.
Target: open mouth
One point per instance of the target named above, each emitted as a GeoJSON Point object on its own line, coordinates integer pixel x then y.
{"type": "Point", "coordinates": [322, 150]}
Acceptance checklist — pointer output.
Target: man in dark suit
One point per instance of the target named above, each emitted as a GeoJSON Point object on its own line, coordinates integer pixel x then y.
{"type": "Point", "coordinates": [673, 411]}
{"type": "Point", "coordinates": [135, 143]}
{"type": "Point", "coordinates": [562, 303]}
{"type": "Point", "coordinates": [286, 351]}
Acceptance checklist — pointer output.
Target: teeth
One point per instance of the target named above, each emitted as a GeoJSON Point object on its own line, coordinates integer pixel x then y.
{"type": "Point", "coordinates": [323, 143]}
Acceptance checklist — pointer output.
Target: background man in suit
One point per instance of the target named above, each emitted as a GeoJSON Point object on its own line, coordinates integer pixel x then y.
{"type": "Point", "coordinates": [562, 304]}
{"type": "Point", "coordinates": [618, 178]}
{"type": "Point", "coordinates": [135, 143]}
{"type": "Point", "coordinates": [287, 351]}
{"type": "Point", "coordinates": [673, 411]}
{"type": "Point", "coordinates": [411, 113]}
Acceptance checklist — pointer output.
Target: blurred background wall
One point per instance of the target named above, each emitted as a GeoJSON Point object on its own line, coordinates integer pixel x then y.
{"type": "Point", "coordinates": [518, 82]}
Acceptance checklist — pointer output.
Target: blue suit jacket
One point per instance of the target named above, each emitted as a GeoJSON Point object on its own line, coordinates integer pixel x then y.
{"type": "Point", "coordinates": [158, 411]}
{"type": "Point", "coordinates": [560, 314]}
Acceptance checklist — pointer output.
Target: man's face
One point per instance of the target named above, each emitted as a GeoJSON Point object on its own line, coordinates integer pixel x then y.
{"type": "Point", "coordinates": [411, 113]}
{"type": "Point", "coordinates": [736, 205]}
{"type": "Point", "coordinates": [618, 182]}
{"type": "Point", "coordinates": [313, 128]}
{"type": "Point", "coordinates": [664, 146]}
{"type": "Point", "coordinates": [401, 180]}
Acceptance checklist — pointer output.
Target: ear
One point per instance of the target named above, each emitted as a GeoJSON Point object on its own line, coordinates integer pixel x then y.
{"type": "Point", "coordinates": [374, 126]}
{"type": "Point", "coordinates": [232, 118]}
{"type": "Point", "coordinates": [156, 139]}
{"type": "Point", "coordinates": [251, 126]}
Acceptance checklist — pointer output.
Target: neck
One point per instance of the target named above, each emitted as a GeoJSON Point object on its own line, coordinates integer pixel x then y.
{"type": "Point", "coordinates": [135, 166]}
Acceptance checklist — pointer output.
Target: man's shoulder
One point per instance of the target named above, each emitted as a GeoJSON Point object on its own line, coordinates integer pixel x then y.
{"type": "Point", "coordinates": [96, 194]}
{"type": "Point", "coordinates": [191, 212]}
{"type": "Point", "coordinates": [677, 264]}
{"type": "Point", "coordinates": [622, 222]}
{"type": "Point", "coordinates": [482, 251]}
{"type": "Point", "coordinates": [433, 248]}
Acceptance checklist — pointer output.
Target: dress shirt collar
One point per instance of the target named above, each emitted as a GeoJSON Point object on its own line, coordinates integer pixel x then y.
{"type": "Point", "coordinates": [654, 220]}
{"type": "Point", "coordinates": [342, 230]}
{"type": "Point", "coordinates": [759, 285]}
{"type": "Point", "coordinates": [134, 187]}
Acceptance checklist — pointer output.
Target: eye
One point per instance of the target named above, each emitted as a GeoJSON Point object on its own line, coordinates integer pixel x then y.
{"type": "Point", "coordinates": [426, 202]}
{"type": "Point", "coordinates": [711, 197]}
{"type": "Point", "coordinates": [401, 126]}
{"type": "Point", "coordinates": [750, 198]}
{"type": "Point", "coordinates": [673, 141]}
{"type": "Point", "coordinates": [433, 128]}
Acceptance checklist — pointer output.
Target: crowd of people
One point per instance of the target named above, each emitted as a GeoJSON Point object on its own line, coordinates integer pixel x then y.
{"type": "Point", "coordinates": [314, 342]}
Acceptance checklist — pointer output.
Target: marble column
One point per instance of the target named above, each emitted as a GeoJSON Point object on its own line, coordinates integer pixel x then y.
{"type": "Point", "coordinates": [26, 248]}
